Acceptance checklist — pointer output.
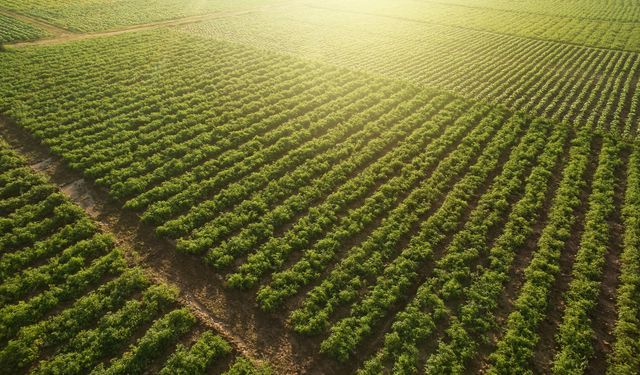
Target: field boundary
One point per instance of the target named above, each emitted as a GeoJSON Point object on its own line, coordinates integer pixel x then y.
{"type": "Point", "coordinates": [61, 35]}
{"type": "Point", "coordinates": [232, 313]}
{"type": "Point", "coordinates": [476, 29]}
{"type": "Point", "coordinates": [54, 30]}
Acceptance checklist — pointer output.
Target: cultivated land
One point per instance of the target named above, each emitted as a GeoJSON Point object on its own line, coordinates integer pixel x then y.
{"type": "Point", "coordinates": [12, 29]}
{"type": "Point", "coordinates": [73, 303]}
{"type": "Point", "coordinates": [330, 187]}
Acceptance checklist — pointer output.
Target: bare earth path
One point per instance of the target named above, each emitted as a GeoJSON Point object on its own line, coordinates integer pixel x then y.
{"type": "Point", "coordinates": [52, 29]}
{"type": "Point", "coordinates": [60, 35]}
{"type": "Point", "coordinates": [232, 313]}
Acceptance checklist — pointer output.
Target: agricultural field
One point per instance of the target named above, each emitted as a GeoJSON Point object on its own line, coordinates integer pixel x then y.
{"type": "Point", "coordinates": [333, 187]}
{"type": "Point", "coordinates": [572, 82]}
{"type": "Point", "coordinates": [12, 30]}
{"type": "Point", "coordinates": [99, 15]}
{"type": "Point", "coordinates": [71, 303]}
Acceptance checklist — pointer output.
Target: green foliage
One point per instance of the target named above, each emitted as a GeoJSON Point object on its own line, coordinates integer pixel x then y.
{"type": "Point", "coordinates": [243, 366]}
{"type": "Point", "coordinates": [625, 356]}
{"type": "Point", "coordinates": [68, 298]}
{"type": "Point", "coordinates": [164, 332]}
{"type": "Point", "coordinates": [516, 348]}
{"type": "Point", "coordinates": [398, 276]}
{"type": "Point", "coordinates": [575, 333]}
{"type": "Point", "coordinates": [98, 15]}
{"type": "Point", "coordinates": [13, 30]}
{"type": "Point", "coordinates": [370, 200]}
{"type": "Point", "coordinates": [533, 56]}
{"type": "Point", "coordinates": [196, 359]}
{"type": "Point", "coordinates": [476, 318]}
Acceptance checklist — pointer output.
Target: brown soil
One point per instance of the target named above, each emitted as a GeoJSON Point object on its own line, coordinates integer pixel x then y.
{"type": "Point", "coordinates": [546, 347]}
{"type": "Point", "coordinates": [605, 314]}
{"type": "Point", "coordinates": [480, 362]}
{"type": "Point", "coordinates": [231, 313]}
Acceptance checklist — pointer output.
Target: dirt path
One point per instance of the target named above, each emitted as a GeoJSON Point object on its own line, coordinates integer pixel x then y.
{"type": "Point", "coordinates": [52, 29]}
{"type": "Point", "coordinates": [449, 25]}
{"type": "Point", "coordinates": [232, 313]}
{"type": "Point", "coordinates": [63, 36]}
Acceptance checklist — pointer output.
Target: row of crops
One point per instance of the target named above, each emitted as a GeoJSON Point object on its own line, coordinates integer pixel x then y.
{"type": "Point", "coordinates": [99, 15]}
{"type": "Point", "coordinates": [613, 24]}
{"type": "Point", "coordinates": [566, 82]}
{"type": "Point", "coordinates": [623, 11]}
{"type": "Point", "coordinates": [12, 30]}
{"type": "Point", "coordinates": [594, 31]}
{"type": "Point", "coordinates": [425, 230]}
{"type": "Point", "coordinates": [72, 305]}
{"type": "Point", "coordinates": [525, 71]}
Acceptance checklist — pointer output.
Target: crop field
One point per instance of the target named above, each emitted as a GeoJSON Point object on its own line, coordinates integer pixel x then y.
{"type": "Point", "coordinates": [12, 30]}
{"type": "Point", "coordinates": [523, 70]}
{"type": "Point", "coordinates": [336, 187]}
{"type": "Point", "coordinates": [112, 319]}
{"type": "Point", "coordinates": [98, 15]}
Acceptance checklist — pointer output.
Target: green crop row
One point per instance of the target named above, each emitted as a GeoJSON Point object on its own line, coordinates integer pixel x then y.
{"type": "Point", "coordinates": [72, 305]}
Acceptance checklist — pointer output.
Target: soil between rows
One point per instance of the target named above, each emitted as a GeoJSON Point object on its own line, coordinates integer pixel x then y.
{"type": "Point", "coordinates": [233, 313]}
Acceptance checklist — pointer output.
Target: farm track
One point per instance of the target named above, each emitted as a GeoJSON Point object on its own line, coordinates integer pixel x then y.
{"type": "Point", "coordinates": [56, 31]}
{"type": "Point", "coordinates": [546, 347]}
{"type": "Point", "coordinates": [484, 31]}
{"type": "Point", "coordinates": [520, 11]}
{"type": "Point", "coordinates": [61, 35]}
{"type": "Point", "coordinates": [230, 312]}
{"type": "Point", "coordinates": [234, 312]}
